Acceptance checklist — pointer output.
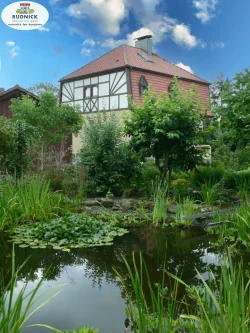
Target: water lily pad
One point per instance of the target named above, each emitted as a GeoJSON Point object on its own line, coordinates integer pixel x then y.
{"type": "Point", "coordinates": [66, 250]}
{"type": "Point", "coordinates": [76, 231]}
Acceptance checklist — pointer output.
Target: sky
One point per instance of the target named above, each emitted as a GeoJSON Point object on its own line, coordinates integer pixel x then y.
{"type": "Point", "coordinates": [206, 37]}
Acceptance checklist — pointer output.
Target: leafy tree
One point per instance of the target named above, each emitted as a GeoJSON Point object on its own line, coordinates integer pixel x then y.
{"type": "Point", "coordinates": [13, 146]}
{"type": "Point", "coordinates": [8, 136]}
{"type": "Point", "coordinates": [8, 141]}
{"type": "Point", "coordinates": [228, 134]}
{"type": "Point", "coordinates": [219, 86]}
{"type": "Point", "coordinates": [167, 127]}
{"type": "Point", "coordinates": [43, 87]}
{"type": "Point", "coordinates": [48, 122]}
{"type": "Point", "coordinates": [238, 104]}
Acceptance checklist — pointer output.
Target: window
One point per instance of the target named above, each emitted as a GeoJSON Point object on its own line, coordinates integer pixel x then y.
{"type": "Point", "coordinates": [90, 91]}
{"type": "Point", "coordinates": [143, 85]}
{"type": "Point", "coordinates": [145, 57]}
{"type": "Point", "coordinates": [171, 89]}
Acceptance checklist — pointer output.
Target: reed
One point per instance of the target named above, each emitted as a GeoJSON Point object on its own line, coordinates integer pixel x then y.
{"type": "Point", "coordinates": [185, 208]}
{"type": "Point", "coordinates": [155, 314]}
{"type": "Point", "coordinates": [223, 306]}
{"type": "Point", "coordinates": [160, 197]}
{"type": "Point", "coordinates": [15, 310]}
{"type": "Point", "coordinates": [243, 188]}
{"type": "Point", "coordinates": [235, 228]}
{"type": "Point", "coordinates": [30, 199]}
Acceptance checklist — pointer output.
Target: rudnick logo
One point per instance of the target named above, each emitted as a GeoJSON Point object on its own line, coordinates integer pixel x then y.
{"type": "Point", "coordinates": [25, 15]}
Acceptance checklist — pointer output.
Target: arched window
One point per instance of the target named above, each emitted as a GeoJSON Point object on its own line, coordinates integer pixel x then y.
{"type": "Point", "coordinates": [170, 87]}
{"type": "Point", "coordinates": [143, 85]}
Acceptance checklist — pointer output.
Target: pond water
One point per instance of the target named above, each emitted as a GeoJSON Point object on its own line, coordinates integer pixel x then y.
{"type": "Point", "coordinates": [93, 295]}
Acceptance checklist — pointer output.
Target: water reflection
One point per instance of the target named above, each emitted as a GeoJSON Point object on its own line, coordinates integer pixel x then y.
{"type": "Point", "coordinates": [94, 295]}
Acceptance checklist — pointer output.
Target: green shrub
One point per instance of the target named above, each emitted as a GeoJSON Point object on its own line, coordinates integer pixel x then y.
{"type": "Point", "coordinates": [106, 155]}
{"type": "Point", "coordinates": [181, 189]}
{"type": "Point", "coordinates": [204, 174]}
{"type": "Point", "coordinates": [70, 179]}
{"type": "Point", "coordinates": [180, 175]}
{"type": "Point", "coordinates": [232, 180]}
{"type": "Point", "coordinates": [150, 173]}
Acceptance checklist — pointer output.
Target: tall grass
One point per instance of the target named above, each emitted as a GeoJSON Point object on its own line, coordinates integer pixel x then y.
{"type": "Point", "coordinates": [158, 314]}
{"type": "Point", "coordinates": [235, 228]}
{"type": "Point", "coordinates": [30, 199]}
{"type": "Point", "coordinates": [215, 307]}
{"type": "Point", "coordinates": [224, 306]}
{"type": "Point", "coordinates": [209, 192]}
{"type": "Point", "coordinates": [243, 188]}
{"type": "Point", "coordinates": [15, 310]}
{"type": "Point", "coordinates": [160, 192]}
{"type": "Point", "coordinates": [185, 208]}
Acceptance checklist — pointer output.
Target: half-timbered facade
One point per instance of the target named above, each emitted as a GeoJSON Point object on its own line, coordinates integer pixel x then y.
{"type": "Point", "coordinates": [105, 83]}
{"type": "Point", "coordinates": [102, 92]}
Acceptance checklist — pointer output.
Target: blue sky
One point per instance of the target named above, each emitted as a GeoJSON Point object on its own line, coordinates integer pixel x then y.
{"type": "Point", "coordinates": [208, 36]}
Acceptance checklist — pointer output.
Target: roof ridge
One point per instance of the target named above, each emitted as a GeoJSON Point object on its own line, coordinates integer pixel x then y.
{"type": "Point", "coordinates": [92, 61]}
{"type": "Point", "coordinates": [19, 88]}
{"type": "Point", "coordinates": [156, 55]}
{"type": "Point", "coordinates": [183, 69]}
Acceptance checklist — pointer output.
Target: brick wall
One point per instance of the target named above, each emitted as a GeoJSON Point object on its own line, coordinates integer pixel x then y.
{"type": "Point", "coordinates": [160, 83]}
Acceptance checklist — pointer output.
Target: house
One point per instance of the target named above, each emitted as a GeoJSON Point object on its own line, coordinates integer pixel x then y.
{"type": "Point", "coordinates": [105, 83]}
{"type": "Point", "coordinates": [7, 95]}
{"type": "Point", "coordinates": [24, 8]}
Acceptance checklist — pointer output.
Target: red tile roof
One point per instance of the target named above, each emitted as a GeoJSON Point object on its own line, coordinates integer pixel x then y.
{"type": "Point", "coordinates": [127, 56]}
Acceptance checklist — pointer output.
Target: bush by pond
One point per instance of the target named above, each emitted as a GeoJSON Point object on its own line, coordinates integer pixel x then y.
{"type": "Point", "coordinates": [75, 231]}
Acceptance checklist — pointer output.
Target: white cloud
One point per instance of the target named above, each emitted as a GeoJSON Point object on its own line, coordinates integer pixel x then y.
{"type": "Point", "coordinates": [186, 67]}
{"type": "Point", "coordinates": [85, 51]}
{"type": "Point", "coordinates": [14, 51]}
{"type": "Point", "coordinates": [10, 43]}
{"type": "Point", "coordinates": [13, 48]}
{"type": "Point", "coordinates": [220, 45]}
{"type": "Point", "coordinates": [44, 29]}
{"type": "Point", "coordinates": [89, 41]}
{"type": "Point", "coordinates": [111, 43]}
{"type": "Point", "coordinates": [108, 14]}
{"type": "Point", "coordinates": [182, 36]}
{"type": "Point", "coordinates": [205, 9]}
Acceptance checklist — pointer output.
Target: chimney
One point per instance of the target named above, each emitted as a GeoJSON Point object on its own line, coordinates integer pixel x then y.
{"type": "Point", "coordinates": [144, 43]}
{"type": "Point", "coordinates": [1, 90]}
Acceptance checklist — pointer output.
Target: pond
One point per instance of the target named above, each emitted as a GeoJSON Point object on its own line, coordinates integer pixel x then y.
{"type": "Point", "coordinates": [93, 295]}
